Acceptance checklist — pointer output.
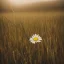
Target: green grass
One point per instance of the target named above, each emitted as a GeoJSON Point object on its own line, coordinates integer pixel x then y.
{"type": "Point", "coordinates": [17, 28]}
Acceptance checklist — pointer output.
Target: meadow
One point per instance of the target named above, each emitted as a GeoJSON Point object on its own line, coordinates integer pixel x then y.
{"type": "Point", "coordinates": [16, 30]}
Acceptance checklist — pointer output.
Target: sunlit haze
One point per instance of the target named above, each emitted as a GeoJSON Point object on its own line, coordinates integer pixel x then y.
{"type": "Point", "coordinates": [23, 2]}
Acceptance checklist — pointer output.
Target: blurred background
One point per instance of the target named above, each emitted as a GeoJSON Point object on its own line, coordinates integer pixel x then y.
{"type": "Point", "coordinates": [31, 5]}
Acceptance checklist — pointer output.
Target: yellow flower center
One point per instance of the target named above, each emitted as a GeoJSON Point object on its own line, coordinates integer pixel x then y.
{"type": "Point", "coordinates": [35, 38]}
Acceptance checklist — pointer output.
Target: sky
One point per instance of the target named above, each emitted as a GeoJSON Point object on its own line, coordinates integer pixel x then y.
{"type": "Point", "coordinates": [20, 3]}
{"type": "Point", "coordinates": [26, 1]}
{"type": "Point", "coordinates": [23, 2]}
{"type": "Point", "coordinates": [8, 4]}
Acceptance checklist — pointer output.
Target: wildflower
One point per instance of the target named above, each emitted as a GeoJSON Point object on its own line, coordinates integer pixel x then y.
{"type": "Point", "coordinates": [35, 38]}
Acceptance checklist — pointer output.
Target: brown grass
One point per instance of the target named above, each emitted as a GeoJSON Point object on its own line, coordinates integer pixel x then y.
{"type": "Point", "coordinates": [17, 28]}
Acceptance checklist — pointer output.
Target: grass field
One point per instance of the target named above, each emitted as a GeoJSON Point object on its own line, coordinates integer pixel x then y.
{"type": "Point", "coordinates": [17, 28]}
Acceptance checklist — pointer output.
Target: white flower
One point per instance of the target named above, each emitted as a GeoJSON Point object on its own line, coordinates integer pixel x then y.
{"type": "Point", "coordinates": [35, 38]}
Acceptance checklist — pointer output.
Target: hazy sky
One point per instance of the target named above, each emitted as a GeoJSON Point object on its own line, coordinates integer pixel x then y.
{"type": "Point", "coordinates": [9, 4]}
{"type": "Point", "coordinates": [18, 2]}
{"type": "Point", "coordinates": [23, 2]}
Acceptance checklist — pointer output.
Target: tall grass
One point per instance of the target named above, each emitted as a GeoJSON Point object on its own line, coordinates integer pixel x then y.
{"type": "Point", "coordinates": [15, 47]}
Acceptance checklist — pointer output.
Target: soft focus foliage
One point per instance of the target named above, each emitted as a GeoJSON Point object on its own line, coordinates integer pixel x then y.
{"type": "Point", "coordinates": [16, 29]}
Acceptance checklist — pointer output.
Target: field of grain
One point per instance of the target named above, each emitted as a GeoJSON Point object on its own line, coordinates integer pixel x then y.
{"type": "Point", "coordinates": [17, 28]}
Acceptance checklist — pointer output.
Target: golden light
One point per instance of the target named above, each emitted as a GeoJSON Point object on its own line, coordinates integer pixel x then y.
{"type": "Point", "coordinates": [24, 2]}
